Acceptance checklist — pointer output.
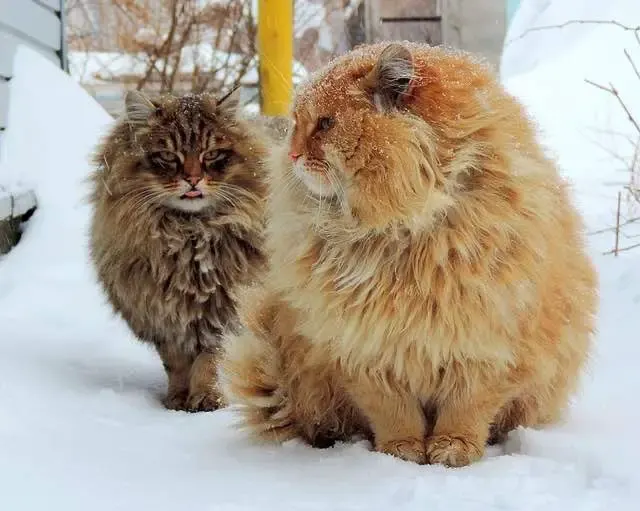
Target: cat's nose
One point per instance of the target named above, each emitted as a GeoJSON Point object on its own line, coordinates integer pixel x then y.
{"type": "Point", "coordinates": [192, 180]}
{"type": "Point", "coordinates": [294, 155]}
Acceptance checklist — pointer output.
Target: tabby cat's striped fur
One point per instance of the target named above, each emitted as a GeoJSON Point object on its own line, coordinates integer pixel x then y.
{"type": "Point", "coordinates": [178, 229]}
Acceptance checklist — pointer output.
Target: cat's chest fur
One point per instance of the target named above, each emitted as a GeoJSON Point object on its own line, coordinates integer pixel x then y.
{"type": "Point", "coordinates": [376, 300]}
{"type": "Point", "coordinates": [186, 275]}
{"type": "Point", "coordinates": [192, 259]}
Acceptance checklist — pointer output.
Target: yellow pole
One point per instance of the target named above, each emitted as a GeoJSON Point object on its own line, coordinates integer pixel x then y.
{"type": "Point", "coordinates": [275, 49]}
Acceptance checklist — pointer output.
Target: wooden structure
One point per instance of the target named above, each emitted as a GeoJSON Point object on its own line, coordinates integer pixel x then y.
{"type": "Point", "coordinates": [477, 26]}
{"type": "Point", "coordinates": [412, 20]}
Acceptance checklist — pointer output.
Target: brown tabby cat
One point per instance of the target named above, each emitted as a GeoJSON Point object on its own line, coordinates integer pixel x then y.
{"type": "Point", "coordinates": [178, 229]}
{"type": "Point", "coordinates": [432, 287]}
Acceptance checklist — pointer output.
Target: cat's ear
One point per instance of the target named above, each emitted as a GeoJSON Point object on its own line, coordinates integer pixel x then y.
{"type": "Point", "coordinates": [391, 78]}
{"type": "Point", "coordinates": [229, 103]}
{"type": "Point", "coordinates": [138, 106]}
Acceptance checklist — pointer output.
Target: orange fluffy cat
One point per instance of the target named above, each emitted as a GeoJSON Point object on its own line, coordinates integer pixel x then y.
{"type": "Point", "coordinates": [430, 287]}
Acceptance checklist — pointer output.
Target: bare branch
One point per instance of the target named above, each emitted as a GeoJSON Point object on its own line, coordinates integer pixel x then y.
{"type": "Point", "coordinates": [628, 28]}
{"type": "Point", "coordinates": [624, 249]}
{"type": "Point", "coordinates": [612, 229]}
{"type": "Point", "coordinates": [631, 189]}
{"type": "Point", "coordinates": [633, 64]}
{"type": "Point", "coordinates": [612, 90]}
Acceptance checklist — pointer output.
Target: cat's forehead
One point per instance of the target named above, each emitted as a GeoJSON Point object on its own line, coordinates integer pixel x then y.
{"type": "Point", "coordinates": [325, 96]}
{"type": "Point", "coordinates": [189, 122]}
{"type": "Point", "coordinates": [190, 107]}
{"type": "Point", "coordinates": [333, 85]}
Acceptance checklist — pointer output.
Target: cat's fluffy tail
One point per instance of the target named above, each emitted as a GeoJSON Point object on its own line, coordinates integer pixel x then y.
{"type": "Point", "coordinates": [252, 374]}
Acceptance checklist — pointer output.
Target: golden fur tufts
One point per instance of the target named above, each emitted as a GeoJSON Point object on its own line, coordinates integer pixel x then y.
{"type": "Point", "coordinates": [430, 284]}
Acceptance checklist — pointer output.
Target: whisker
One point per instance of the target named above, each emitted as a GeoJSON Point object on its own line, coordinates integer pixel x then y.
{"type": "Point", "coordinates": [290, 183]}
{"type": "Point", "coordinates": [238, 190]}
{"type": "Point", "coordinates": [334, 180]}
{"type": "Point", "coordinates": [141, 206]}
{"type": "Point", "coordinates": [234, 202]}
{"type": "Point", "coordinates": [319, 210]}
{"type": "Point", "coordinates": [235, 195]}
{"type": "Point", "coordinates": [139, 199]}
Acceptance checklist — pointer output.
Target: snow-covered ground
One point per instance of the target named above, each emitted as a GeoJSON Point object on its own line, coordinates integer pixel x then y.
{"type": "Point", "coordinates": [81, 426]}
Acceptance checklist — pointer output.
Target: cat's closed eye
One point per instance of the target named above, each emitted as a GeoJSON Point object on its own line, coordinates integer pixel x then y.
{"type": "Point", "coordinates": [325, 124]}
{"type": "Point", "coordinates": [164, 158]}
{"type": "Point", "coordinates": [217, 160]}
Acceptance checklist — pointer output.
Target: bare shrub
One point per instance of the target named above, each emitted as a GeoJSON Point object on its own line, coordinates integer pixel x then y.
{"type": "Point", "coordinates": [628, 197]}
{"type": "Point", "coordinates": [163, 45]}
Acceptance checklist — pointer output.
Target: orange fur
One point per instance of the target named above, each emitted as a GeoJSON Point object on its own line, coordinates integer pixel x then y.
{"type": "Point", "coordinates": [425, 256]}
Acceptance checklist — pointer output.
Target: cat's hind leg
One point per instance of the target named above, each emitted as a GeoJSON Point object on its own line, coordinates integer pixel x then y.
{"type": "Point", "coordinates": [283, 386]}
{"type": "Point", "coordinates": [522, 411]}
{"type": "Point", "coordinates": [540, 406]}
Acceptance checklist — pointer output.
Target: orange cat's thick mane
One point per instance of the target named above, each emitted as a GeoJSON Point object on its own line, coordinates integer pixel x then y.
{"type": "Point", "coordinates": [443, 264]}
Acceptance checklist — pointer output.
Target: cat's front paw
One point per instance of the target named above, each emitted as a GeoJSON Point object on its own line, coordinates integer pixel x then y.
{"type": "Point", "coordinates": [203, 392]}
{"type": "Point", "coordinates": [452, 451]}
{"type": "Point", "coordinates": [207, 401]}
{"type": "Point", "coordinates": [408, 449]}
{"type": "Point", "coordinates": [176, 400]}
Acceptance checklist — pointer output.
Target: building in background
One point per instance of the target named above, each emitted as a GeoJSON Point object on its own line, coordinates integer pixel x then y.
{"type": "Point", "coordinates": [38, 25]}
{"type": "Point", "coordinates": [477, 26]}
{"type": "Point", "coordinates": [183, 46]}
{"type": "Point", "coordinates": [112, 49]}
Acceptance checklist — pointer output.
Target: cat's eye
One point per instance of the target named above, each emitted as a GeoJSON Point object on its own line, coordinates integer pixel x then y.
{"type": "Point", "coordinates": [164, 160]}
{"type": "Point", "coordinates": [167, 156]}
{"type": "Point", "coordinates": [218, 159]}
{"type": "Point", "coordinates": [325, 123]}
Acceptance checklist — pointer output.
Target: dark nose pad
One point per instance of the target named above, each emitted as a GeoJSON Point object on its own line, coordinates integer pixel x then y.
{"type": "Point", "coordinates": [192, 180]}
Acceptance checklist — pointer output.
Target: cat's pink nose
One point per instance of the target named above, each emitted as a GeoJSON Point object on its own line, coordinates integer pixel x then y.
{"type": "Point", "coordinates": [294, 156]}
{"type": "Point", "coordinates": [193, 180]}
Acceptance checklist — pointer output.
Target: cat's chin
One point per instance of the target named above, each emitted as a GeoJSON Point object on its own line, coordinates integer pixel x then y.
{"type": "Point", "coordinates": [189, 204]}
{"type": "Point", "coordinates": [313, 183]}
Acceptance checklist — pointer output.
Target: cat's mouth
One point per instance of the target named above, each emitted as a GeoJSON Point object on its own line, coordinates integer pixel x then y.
{"type": "Point", "coordinates": [192, 194]}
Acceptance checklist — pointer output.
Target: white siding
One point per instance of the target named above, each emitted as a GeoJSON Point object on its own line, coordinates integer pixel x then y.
{"type": "Point", "coordinates": [36, 23]}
